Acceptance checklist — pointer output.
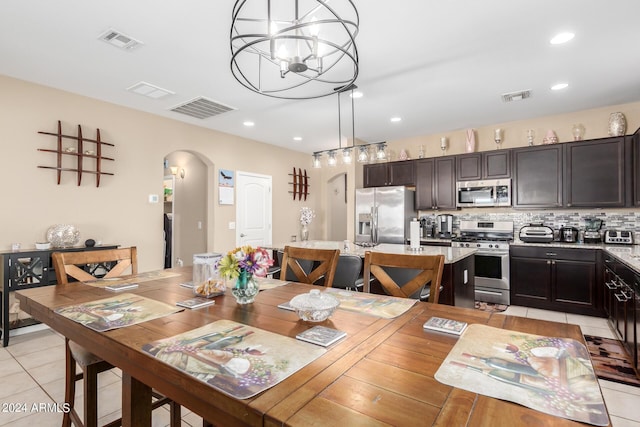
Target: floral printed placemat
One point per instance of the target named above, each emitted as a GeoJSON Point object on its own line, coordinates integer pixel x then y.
{"type": "Point", "coordinates": [236, 359]}
{"type": "Point", "coordinates": [549, 374]}
{"type": "Point", "coordinates": [376, 305]}
{"type": "Point", "coordinates": [134, 278]}
{"type": "Point", "coordinates": [117, 312]}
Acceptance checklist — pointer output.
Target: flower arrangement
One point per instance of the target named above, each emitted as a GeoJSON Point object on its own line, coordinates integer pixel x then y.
{"type": "Point", "coordinates": [306, 215]}
{"type": "Point", "coordinates": [245, 260]}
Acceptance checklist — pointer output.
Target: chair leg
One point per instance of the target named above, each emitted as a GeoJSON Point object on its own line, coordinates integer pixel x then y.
{"type": "Point", "coordinates": [90, 395]}
{"type": "Point", "coordinates": [174, 414]}
{"type": "Point", "coordinates": [69, 384]}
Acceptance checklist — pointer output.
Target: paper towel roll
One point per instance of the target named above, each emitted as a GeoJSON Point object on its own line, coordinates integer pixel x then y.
{"type": "Point", "coordinates": [414, 234]}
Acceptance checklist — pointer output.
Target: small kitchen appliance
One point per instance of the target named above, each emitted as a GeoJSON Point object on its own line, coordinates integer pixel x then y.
{"type": "Point", "coordinates": [592, 230]}
{"type": "Point", "coordinates": [445, 226]}
{"type": "Point", "coordinates": [618, 237]}
{"type": "Point", "coordinates": [491, 240]}
{"type": "Point", "coordinates": [427, 228]}
{"type": "Point", "coordinates": [536, 233]}
{"type": "Point", "coordinates": [569, 234]}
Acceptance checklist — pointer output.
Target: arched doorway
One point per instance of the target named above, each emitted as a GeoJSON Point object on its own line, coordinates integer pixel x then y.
{"type": "Point", "coordinates": [337, 208]}
{"type": "Point", "coordinates": [186, 210]}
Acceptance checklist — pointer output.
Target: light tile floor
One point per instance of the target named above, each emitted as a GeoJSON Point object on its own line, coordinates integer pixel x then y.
{"type": "Point", "coordinates": [32, 385]}
{"type": "Point", "coordinates": [622, 400]}
{"type": "Point", "coordinates": [32, 373]}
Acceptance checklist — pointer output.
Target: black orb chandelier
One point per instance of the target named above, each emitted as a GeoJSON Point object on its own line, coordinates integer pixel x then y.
{"type": "Point", "coordinates": [294, 49]}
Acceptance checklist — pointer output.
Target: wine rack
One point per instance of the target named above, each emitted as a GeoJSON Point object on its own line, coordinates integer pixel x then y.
{"type": "Point", "coordinates": [80, 152]}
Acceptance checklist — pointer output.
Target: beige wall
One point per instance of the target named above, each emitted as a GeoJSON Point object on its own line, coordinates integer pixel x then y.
{"type": "Point", "coordinates": [118, 211]}
{"type": "Point", "coordinates": [596, 123]}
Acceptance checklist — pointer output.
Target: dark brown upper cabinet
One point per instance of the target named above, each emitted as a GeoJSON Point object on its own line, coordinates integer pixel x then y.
{"type": "Point", "coordinates": [537, 176]}
{"type": "Point", "coordinates": [484, 165]}
{"type": "Point", "coordinates": [392, 173]}
{"type": "Point", "coordinates": [636, 168]}
{"type": "Point", "coordinates": [595, 173]}
{"type": "Point", "coordinates": [436, 183]}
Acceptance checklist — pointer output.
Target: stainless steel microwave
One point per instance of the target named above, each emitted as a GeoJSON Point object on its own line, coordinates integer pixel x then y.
{"type": "Point", "coordinates": [494, 192]}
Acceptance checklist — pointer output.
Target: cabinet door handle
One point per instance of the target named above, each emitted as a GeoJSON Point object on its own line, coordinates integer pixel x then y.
{"type": "Point", "coordinates": [620, 297]}
{"type": "Point", "coordinates": [553, 262]}
{"type": "Point", "coordinates": [611, 285]}
{"type": "Point", "coordinates": [548, 262]}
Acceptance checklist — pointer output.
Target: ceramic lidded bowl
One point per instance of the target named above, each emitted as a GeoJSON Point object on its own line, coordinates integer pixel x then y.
{"type": "Point", "coordinates": [314, 306]}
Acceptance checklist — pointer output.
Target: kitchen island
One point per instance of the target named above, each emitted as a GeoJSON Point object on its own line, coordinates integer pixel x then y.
{"type": "Point", "coordinates": [457, 278]}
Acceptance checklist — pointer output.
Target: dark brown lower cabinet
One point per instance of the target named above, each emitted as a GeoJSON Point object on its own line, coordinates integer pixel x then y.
{"type": "Point", "coordinates": [559, 279]}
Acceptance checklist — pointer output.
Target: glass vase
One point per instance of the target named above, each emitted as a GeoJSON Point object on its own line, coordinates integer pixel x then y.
{"type": "Point", "coordinates": [245, 288]}
{"type": "Point", "coordinates": [304, 232]}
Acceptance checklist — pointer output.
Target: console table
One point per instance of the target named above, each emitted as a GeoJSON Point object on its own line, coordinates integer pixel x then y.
{"type": "Point", "coordinates": [29, 268]}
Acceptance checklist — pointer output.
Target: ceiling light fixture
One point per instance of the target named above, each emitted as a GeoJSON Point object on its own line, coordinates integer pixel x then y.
{"type": "Point", "coordinates": [560, 86]}
{"type": "Point", "coordinates": [396, 119]}
{"type": "Point", "coordinates": [249, 123]}
{"type": "Point", "coordinates": [294, 49]}
{"type": "Point", "coordinates": [347, 155]}
{"type": "Point", "coordinates": [297, 138]}
{"type": "Point", "coordinates": [562, 38]}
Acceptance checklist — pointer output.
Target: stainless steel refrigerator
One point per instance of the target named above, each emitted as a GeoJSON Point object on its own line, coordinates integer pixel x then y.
{"type": "Point", "coordinates": [383, 214]}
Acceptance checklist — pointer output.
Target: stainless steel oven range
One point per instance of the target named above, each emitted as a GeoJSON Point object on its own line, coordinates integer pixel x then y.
{"type": "Point", "coordinates": [492, 239]}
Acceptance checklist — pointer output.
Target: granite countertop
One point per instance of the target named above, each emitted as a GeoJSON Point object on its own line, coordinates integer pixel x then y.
{"type": "Point", "coordinates": [451, 255]}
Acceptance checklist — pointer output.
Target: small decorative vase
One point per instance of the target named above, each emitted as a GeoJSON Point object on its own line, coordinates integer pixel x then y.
{"type": "Point", "coordinates": [304, 232]}
{"type": "Point", "coordinates": [550, 138]}
{"type": "Point", "coordinates": [617, 124]}
{"type": "Point", "coordinates": [246, 288]}
{"type": "Point", "coordinates": [471, 140]}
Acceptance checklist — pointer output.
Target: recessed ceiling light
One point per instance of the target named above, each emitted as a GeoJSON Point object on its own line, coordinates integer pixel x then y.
{"type": "Point", "coordinates": [559, 86]}
{"type": "Point", "coordinates": [297, 138]}
{"type": "Point", "coordinates": [562, 38]}
{"type": "Point", "coordinates": [357, 94]}
{"type": "Point", "coordinates": [248, 123]}
{"type": "Point", "coordinates": [396, 119]}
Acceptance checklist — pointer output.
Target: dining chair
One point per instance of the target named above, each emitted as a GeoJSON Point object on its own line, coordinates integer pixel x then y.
{"type": "Point", "coordinates": [275, 271]}
{"type": "Point", "coordinates": [324, 264]}
{"type": "Point", "coordinates": [86, 266]}
{"type": "Point", "coordinates": [348, 272]}
{"type": "Point", "coordinates": [406, 275]}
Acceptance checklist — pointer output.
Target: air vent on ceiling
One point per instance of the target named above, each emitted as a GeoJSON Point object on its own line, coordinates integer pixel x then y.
{"type": "Point", "coordinates": [119, 40]}
{"type": "Point", "coordinates": [149, 90]}
{"type": "Point", "coordinates": [516, 96]}
{"type": "Point", "coordinates": [201, 108]}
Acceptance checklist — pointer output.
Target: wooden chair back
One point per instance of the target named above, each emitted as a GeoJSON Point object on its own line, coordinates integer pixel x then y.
{"type": "Point", "coordinates": [324, 260]}
{"type": "Point", "coordinates": [73, 264]}
{"type": "Point", "coordinates": [429, 270]}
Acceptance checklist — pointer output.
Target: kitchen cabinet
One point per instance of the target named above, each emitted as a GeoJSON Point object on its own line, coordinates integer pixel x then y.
{"type": "Point", "coordinates": [436, 183]}
{"type": "Point", "coordinates": [29, 269]}
{"type": "Point", "coordinates": [485, 165]}
{"type": "Point", "coordinates": [635, 140]}
{"type": "Point", "coordinates": [392, 173]}
{"type": "Point", "coordinates": [553, 278]}
{"type": "Point", "coordinates": [537, 176]}
{"type": "Point", "coordinates": [621, 303]}
{"type": "Point", "coordinates": [595, 173]}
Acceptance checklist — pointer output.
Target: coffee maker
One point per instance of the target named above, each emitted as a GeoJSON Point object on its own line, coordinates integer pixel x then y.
{"type": "Point", "coordinates": [445, 226]}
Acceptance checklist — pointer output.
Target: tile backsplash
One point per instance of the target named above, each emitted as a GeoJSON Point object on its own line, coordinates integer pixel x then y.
{"type": "Point", "coordinates": [620, 219]}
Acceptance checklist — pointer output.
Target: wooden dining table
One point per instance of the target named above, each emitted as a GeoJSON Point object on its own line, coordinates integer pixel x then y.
{"type": "Point", "coordinates": [381, 374]}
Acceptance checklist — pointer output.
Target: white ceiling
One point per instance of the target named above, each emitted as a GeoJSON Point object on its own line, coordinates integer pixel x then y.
{"type": "Point", "coordinates": [440, 65]}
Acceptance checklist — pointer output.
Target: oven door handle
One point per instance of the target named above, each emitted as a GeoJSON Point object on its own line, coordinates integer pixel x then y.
{"type": "Point", "coordinates": [478, 291]}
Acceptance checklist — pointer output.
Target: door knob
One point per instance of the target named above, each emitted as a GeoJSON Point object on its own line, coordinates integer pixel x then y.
{"type": "Point", "coordinates": [242, 235]}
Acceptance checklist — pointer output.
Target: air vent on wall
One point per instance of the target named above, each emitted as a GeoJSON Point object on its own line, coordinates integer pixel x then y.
{"type": "Point", "coordinates": [201, 108]}
{"type": "Point", "coordinates": [119, 40]}
{"type": "Point", "coordinates": [516, 96]}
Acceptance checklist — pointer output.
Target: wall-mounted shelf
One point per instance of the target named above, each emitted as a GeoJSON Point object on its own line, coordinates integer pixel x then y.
{"type": "Point", "coordinates": [80, 152]}
{"type": "Point", "coordinates": [300, 184]}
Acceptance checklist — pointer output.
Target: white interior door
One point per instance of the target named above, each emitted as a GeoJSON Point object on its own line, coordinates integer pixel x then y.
{"type": "Point", "coordinates": [253, 210]}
